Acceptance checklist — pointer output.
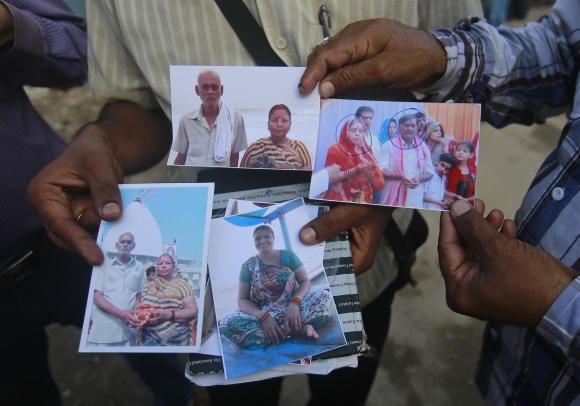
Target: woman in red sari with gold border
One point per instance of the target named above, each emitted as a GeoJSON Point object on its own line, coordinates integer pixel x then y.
{"type": "Point", "coordinates": [360, 173]}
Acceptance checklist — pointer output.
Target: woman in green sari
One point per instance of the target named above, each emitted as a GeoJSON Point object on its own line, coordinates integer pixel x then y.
{"type": "Point", "coordinates": [274, 298]}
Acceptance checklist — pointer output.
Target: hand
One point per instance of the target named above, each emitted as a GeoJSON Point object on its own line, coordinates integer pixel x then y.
{"type": "Point", "coordinates": [293, 319]}
{"type": "Point", "coordinates": [491, 275]}
{"type": "Point", "coordinates": [82, 181]}
{"type": "Point", "coordinates": [81, 184]}
{"type": "Point", "coordinates": [272, 332]}
{"type": "Point", "coordinates": [159, 316]}
{"type": "Point", "coordinates": [405, 180]}
{"type": "Point", "coordinates": [413, 183]}
{"type": "Point", "coordinates": [363, 168]}
{"type": "Point", "coordinates": [366, 225]}
{"type": "Point", "coordinates": [375, 52]}
{"type": "Point", "coordinates": [129, 318]}
{"type": "Point", "coordinates": [6, 25]}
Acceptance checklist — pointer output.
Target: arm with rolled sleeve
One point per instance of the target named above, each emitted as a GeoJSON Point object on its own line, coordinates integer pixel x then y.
{"type": "Point", "coordinates": [48, 45]}
{"type": "Point", "coordinates": [520, 75]}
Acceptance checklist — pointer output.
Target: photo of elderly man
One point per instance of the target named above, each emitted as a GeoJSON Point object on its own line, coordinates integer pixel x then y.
{"type": "Point", "coordinates": [212, 134]}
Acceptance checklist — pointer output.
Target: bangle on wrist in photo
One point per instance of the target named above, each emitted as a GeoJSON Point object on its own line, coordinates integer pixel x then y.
{"type": "Point", "coordinates": [262, 316]}
{"type": "Point", "coordinates": [296, 300]}
{"type": "Point", "coordinates": [172, 318]}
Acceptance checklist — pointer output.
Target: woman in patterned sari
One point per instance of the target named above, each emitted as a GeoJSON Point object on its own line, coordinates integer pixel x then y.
{"type": "Point", "coordinates": [274, 298]}
{"type": "Point", "coordinates": [167, 307]}
{"type": "Point", "coordinates": [278, 151]}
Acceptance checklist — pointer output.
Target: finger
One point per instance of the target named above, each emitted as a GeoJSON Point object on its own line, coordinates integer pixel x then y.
{"type": "Point", "coordinates": [473, 227]}
{"type": "Point", "coordinates": [509, 228]}
{"type": "Point", "coordinates": [103, 176]}
{"type": "Point", "coordinates": [53, 206]}
{"type": "Point", "coordinates": [364, 243]}
{"type": "Point", "coordinates": [495, 218]}
{"type": "Point", "coordinates": [316, 70]}
{"type": "Point", "coordinates": [84, 213]}
{"type": "Point", "coordinates": [65, 232]}
{"type": "Point", "coordinates": [371, 71]}
{"type": "Point", "coordinates": [479, 206]}
{"type": "Point", "coordinates": [338, 219]}
{"type": "Point", "coordinates": [280, 333]}
{"type": "Point", "coordinates": [449, 247]}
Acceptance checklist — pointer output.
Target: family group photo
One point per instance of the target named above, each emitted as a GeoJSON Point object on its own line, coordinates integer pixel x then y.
{"type": "Point", "coordinates": [148, 293]}
{"type": "Point", "coordinates": [415, 155]}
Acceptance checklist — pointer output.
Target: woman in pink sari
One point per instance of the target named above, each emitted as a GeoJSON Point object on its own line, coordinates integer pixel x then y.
{"type": "Point", "coordinates": [360, 176]}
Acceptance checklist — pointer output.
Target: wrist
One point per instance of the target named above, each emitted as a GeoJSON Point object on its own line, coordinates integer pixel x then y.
{"type": "Point", "coordinates": [296, 300]}
{"type": "Point", "coordinates": [262, 316]}
{"type": "Point", "coordinates": [172, 316]}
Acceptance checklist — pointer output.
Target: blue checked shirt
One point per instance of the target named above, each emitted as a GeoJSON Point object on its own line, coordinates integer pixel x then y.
{"type": "Point", "coordinates": [49, 49]}
{"type": "Point", "coordinates": [524, 75]}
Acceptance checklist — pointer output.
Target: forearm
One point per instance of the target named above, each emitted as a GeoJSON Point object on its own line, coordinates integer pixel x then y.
{"type": "Point", "coordinates": [185, 315]}
{"type": "Point", "coordinates": [489, 63]}
{"type": "Point", "coordinates": [425, 177]}
{"type": "Point", "coordinates": [302, 290]}
{"type": "Point", "coordinates": [138, 138]}
{"type": "Point", "coordinates": [248, 307]}
{"type": "Point", "coordinates": [234, 159]}
{"type": "Point", "coordinates": [388, 174]}
{"type": "Point", "coordinates": [429, 199]}
{"type": "Point", "coordinates": [102, 303]}
{"type": "Point", "coordinates": [44, 44]}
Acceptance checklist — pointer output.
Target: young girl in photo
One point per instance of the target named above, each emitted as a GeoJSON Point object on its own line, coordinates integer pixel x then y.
{"type": "Point", "coordinates": [461, 182]}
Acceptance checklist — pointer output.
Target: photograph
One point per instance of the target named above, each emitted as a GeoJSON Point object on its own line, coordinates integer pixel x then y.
{"type": "Point", "coordinates": [149, 291]}
{"type": "Point", "coordinates": [242, 116]}
{"type": "Point", "coordinates": [400, 154]}
{"type": "Point", "coordinates": [272, 299]}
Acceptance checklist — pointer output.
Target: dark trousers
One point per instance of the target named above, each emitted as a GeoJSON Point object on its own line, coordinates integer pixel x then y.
{"type": "Point", "coordinates": [56, 292]}
{"type": "Point", "coordinates": [345, 386]}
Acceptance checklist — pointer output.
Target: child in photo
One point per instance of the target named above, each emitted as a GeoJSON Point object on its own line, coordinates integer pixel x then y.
{"type": "Point", "coordinates": [436, 196]}
{"type": "Point", "coordinates": [461, 181]}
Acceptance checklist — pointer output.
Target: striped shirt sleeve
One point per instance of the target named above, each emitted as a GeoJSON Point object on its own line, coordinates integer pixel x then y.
{"type": "Point", "coordinates": [114, 73]}
{"type": "Point", "coordinates": [561, 324]}
{"type": "Point", "coordinates": [520, 75]}
{"type": "Point", "coordinates": [49, 47]}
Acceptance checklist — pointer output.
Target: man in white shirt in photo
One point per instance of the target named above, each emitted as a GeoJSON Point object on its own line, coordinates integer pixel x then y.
{"type": "Point", "coordinates": [118, 286]}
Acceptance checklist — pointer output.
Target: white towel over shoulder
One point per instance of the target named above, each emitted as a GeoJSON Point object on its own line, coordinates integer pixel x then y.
{"type": "Point", "coordinates": [224, 134]}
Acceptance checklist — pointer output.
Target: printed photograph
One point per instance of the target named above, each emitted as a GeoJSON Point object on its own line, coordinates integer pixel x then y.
{"type": "Point", "coordinates": [248, 117]}
{"type": "Point", "coordinates": [272, 300]}
{"type": "Point", "coordinates": [150, 289]}
{"type": "Point", "coordinates": [402, 154]}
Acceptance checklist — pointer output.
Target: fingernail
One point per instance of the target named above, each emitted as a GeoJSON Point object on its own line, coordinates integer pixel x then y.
{"type": "Point", "coordinates": [460, 207]}
{"type": "Point", "coordinates": [308, 235]}
{"type": "Point", "coordinates": [111, 209]}
{"type": "Point", "coordinates": [327, 89]}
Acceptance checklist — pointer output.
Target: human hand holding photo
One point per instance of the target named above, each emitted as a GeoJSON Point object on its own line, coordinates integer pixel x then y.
{"type": "Point", "coordinates": [491, 275]}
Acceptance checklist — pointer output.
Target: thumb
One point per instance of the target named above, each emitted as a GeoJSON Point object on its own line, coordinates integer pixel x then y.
{"type": "Point", "coordinates": [472, 226]}
{"type": "Point", "coordinates": [363, 73]}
